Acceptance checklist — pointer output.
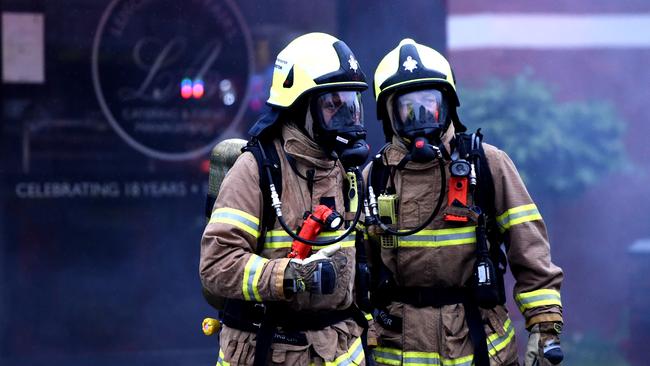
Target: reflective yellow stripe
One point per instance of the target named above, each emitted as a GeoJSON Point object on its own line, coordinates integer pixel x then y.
{"type": "Point", "coordinates": [421, 358]}
{"type": "Point", "coordinates": [220, 361]}
{"type": "Point", "coordinates": [252, 273]}
{"type": "Point", "coordinates": [533, 299]}
{"type": "Point", "coordinates": [368, 316]}
{"type": "Point", "coordinates": [396, 357]}
{"type": "Point", "coordinates": [238, 218]}
{"type": "Point", "coordinates": [518, 215]}
{"type": "Point", "coordinates": [440, 238]}
{"type": "Point", "coordinates": [278, 239]}
{"type": "Point", "coordinates": [347, 242]}
{"type": "Point", "coordinates": [388, 356]}
{"type": "Point", "coordinates": [353, 356]}
{"type": "Point", "coordinates": [496, 343]}
{"type": "Point", "coordinates": [464, 361]}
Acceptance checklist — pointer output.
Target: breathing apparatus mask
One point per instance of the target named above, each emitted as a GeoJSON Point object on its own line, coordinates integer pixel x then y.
{"type": "Point", "coordinates": [420, 118]}
{"type": "Point", "coordinates": [338, 126]}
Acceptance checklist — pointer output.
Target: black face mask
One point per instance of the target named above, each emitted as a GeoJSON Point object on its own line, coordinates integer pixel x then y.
{"type": "Point", "coordinates": [419, 119]}
{"type": "Point", "coordinates": [338, 126]}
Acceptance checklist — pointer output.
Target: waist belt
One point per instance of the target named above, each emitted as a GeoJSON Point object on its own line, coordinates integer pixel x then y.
{"type": "Point", "coordinates": [249, 316]}
{"type": "Point", "coordinates": [266, 319]}
{"type": "Point", "coordinates": [419, 297]}
{"type": "Point", "coordinates": [431, 296]}
{"type": "Point", "coordinates": [439, 297]}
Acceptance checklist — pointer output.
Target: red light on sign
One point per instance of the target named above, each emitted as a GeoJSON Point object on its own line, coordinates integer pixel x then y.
{"type": "Point", "coordinates": [186, 88]}
{"type": "Point", "coordinates": [192, 89]}
{"type": "Point", "coordinates": [197, 89]}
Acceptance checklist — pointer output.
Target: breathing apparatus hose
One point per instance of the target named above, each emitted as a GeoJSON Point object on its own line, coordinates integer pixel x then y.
{"type": "Point", "coordinates": [441, 197]}
{"type": "Point", "coordinates": [277, 205]}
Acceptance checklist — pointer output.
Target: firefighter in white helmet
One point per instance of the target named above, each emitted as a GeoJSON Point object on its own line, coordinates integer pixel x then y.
{"type": "Point", "coordinates": [441, 203]}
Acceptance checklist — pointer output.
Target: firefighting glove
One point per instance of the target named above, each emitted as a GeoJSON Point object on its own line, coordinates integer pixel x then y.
{"type": "Point", "coordinates": [315, 274]}
{"type": "Point", "coordinates": [544, 345]}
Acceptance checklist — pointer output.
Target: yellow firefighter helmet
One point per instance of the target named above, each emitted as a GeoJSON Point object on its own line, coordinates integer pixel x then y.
{"type": "Point", "coordinates": [413, 66]}
{"type": "Point", "coordinates": [311, 62]}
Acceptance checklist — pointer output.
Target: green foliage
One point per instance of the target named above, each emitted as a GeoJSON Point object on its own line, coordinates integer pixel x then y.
{"type": "Point", "coordinates": [560, 148]}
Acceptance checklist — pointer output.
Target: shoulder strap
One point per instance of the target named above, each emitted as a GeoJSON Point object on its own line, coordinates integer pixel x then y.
{"type": "Point", "coordinates": [379, 172]}
{"type": "Point", "coordinates": [272, 161]}
{"type": "Point", "coordinates": [470, 148]}
{"type": "Point", "coordinates": [485, 196]}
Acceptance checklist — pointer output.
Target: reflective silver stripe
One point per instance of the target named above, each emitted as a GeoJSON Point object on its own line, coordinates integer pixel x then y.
{"type": "Point", "coordinates": [436, 238]}
{"type": "Point", "coordinates": [388, 356]}
{"type": "Point", "coordinates": [279, 239]}
{"type": "Point", "coordinates": [220, 361]}
{"type": "Point", "coordinates": [532, 299]}
{"type": "Point", "coordinates": [393, 356]}
{"type": "Point", "coordinates": [461, 361]}
{"type": "Point", "coordinates": [233, 216]}
{"type": "Point", "coordinates": [238, 218]}
{"type": "Point", "coordinates": [353, 356]}
{"type": "Point", "coordinates": [252, 273]}
{"type": "Point", "coordinates": [440, 238]}
{"type": "Point", "coordinates": [518, 215]}
{"type": "Point", "coordinates": [496, 343]}
{"type": "Point", "coordinates": [412, 360]}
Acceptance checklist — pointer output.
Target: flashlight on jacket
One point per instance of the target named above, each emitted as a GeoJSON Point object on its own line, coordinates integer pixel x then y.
{"type": "Point", "coordinates": [323, 217]}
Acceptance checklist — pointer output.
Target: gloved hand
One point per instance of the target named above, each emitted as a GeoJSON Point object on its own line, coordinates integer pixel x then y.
{"type": "Point", "coordinates": [544, 345]}
{"type": "Point", "coordinates": [315, 274]}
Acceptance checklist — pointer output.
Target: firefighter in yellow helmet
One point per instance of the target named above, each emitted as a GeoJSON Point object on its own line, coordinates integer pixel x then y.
{"type": "Point", "coordinates": [277, 307]}
{"type": "Point", "coordinates": [440, 205]}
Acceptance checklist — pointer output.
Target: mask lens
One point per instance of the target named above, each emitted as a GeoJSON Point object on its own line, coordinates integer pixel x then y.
{"type": "Point", "coordinates": [420, 109]}
{"type": "Point", "coordinates": [340, 110]}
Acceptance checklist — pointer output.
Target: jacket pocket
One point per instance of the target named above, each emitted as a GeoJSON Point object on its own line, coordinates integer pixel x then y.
{"type": "Point", "coordinates": [500, 334]}
{"type": "Point", "coordinates": [387, 337]}
{"type": "Point", "coordinates": [287, 354]}
{"type": "Point", "coordinates": [455, 333]}
{"type": "Point", "coordinates": [340, 343]}
{"type": "Point", "coordinates": [238, 347]}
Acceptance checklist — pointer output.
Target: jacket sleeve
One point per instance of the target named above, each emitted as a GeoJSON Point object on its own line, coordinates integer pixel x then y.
{"type": "Point", "coordinates": [538, 280]}
{"type": "Point", "coordinates": [229, 266]}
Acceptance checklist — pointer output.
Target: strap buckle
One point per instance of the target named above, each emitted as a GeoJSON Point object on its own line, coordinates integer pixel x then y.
{"type": "Point", "coordinates": [259, 306]}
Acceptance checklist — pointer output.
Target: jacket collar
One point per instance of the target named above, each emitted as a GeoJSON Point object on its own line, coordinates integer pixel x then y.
{"type": "Point", "coordinates": [303, 149]}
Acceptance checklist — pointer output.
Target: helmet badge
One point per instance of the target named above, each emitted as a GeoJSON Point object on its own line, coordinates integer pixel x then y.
{"type": "Point", "coordinates": [410, 64]}
{"type": "Point", "coordinates": [354, 64]}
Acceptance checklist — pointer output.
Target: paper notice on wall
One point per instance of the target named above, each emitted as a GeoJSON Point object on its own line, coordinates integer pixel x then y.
{"type": "Point", "coordinates": [23, 48]}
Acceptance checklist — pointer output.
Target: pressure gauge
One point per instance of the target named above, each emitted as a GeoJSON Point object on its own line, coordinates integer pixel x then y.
{"type": "Point", "coordinates": [459, 168]}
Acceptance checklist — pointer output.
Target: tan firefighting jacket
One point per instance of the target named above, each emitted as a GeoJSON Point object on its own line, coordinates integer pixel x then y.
{"type": "Point", "coordinates": [443, 255]}
{"type": "Point", "coordinates": [230, 267]}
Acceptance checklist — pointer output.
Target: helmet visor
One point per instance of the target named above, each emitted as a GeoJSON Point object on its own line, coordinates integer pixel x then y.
{"type": "Point", "coordinates": [422, 109]}
{"type": "Point", "coordinates": [339, 111]}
